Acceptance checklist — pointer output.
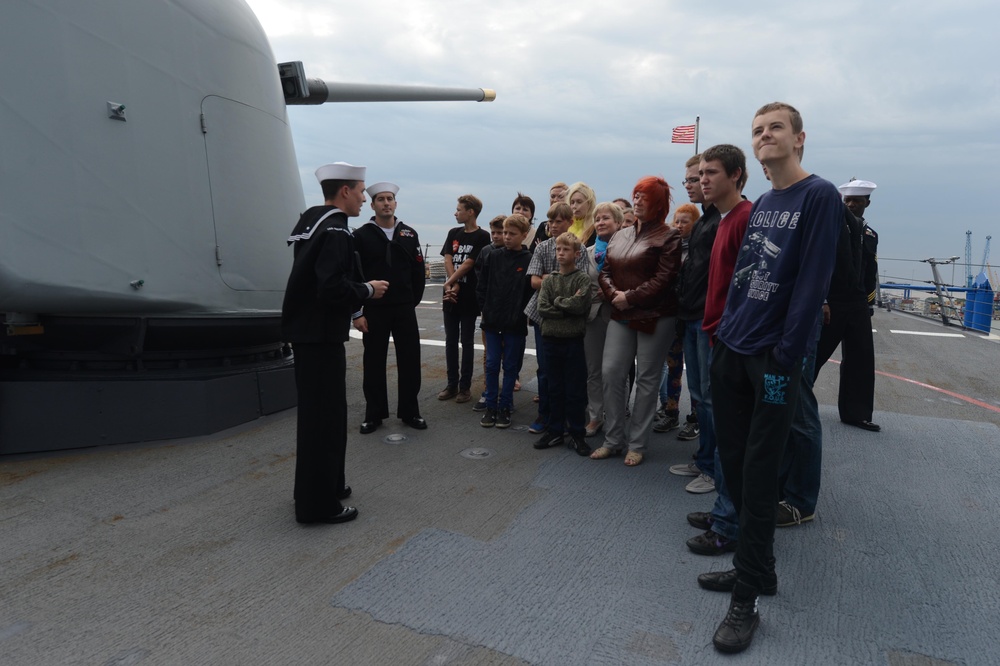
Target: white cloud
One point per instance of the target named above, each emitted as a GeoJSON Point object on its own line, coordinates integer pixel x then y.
{"type": "Point", "coordinates": [905, 95]}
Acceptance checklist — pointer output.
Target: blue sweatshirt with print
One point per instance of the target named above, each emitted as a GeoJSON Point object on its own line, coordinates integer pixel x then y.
{"type": "Point", "coordinates": [783, 271]}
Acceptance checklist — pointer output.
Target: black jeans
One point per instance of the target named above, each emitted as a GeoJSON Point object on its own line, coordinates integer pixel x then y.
{"type": "Point", "coordinates": [753, 401]}
{"type": "Point", "coordinates": [460, 326]}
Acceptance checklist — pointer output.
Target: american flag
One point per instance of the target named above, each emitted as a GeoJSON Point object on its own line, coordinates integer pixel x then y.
{"type": "Point", "coordinates": [683, 134]}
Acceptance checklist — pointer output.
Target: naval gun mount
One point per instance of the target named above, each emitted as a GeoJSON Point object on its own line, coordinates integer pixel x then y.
{"type": "Point", "coordinates": [299, 90]}
{"type": "Point", "coordinates": [91, 372]}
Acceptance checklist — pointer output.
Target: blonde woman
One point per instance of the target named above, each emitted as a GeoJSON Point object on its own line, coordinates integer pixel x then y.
{"type": "Point", "coordinates": [608, 219]}
{"type": "Point", "coordinates": [581, 200]}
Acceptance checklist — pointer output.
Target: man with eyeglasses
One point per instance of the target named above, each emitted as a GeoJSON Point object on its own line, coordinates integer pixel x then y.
{"type": "Point", "coordinates": [692, 287]}
{"type": "Point", "coordinates": [557, 194]}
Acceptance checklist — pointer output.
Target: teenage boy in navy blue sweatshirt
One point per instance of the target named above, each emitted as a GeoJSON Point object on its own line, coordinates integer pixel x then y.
{"type": "Point", "coordinates": [781, 276]}
{"type": "Point", "coordinates": [502, 291]}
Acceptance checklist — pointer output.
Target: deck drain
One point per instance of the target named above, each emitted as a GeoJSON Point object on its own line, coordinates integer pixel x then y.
{"type": "Point", "coordinates": [395, 438]}
{"type": "Point", "coordinates": [477, 453]}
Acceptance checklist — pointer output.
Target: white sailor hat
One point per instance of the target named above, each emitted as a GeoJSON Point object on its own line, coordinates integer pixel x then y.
{"type": "Point", "coordinates": [857, 188]}
{"type": "Point", "coordinates": [340, 171]}
{"type": "Point", "coordinates": [379, 188]}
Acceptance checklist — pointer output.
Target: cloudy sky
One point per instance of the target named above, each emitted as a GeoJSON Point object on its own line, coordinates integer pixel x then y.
{"type": "Point", "coordinates": [904, 94]}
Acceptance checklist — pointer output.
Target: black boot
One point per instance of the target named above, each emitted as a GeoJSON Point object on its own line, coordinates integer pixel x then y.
{"type": "Point", "coordinates": [736, 631]}
{"type": "Point", "coordinates": [725, 581]}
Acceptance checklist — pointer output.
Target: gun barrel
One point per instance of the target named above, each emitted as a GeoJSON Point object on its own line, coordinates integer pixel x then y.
{"type": "Point", "coordinates": [322, 92]}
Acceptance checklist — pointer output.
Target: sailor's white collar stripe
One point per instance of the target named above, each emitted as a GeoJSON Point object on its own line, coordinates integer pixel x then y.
{"type": "Point", "coordinates": [307, 234]}
{"type": "Point", "coordinates": [395, 224]}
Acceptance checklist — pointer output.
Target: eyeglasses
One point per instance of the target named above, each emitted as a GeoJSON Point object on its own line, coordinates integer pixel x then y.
{"type": "Point", "coordinates": [690, 181]}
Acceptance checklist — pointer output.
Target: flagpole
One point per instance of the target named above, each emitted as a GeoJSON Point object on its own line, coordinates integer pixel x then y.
{"type": "Point", "coordinates": [697, 123]}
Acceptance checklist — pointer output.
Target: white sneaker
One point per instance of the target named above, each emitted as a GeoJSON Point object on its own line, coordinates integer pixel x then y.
{"type": "Point", "coordinates": [687, 469]}
{"type": "Point", "coordinates": [703, 484]}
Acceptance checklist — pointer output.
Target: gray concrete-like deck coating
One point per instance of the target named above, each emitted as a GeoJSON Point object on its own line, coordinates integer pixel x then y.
{"type": "Point", "coordinates": [187, 552]}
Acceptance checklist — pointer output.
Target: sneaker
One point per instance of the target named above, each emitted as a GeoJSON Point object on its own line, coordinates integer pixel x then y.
{"type": "Point", "coordinates": [503, 418]}
{"type": "Point", "coordinates": [538, 427]}
{"type": "Point", "coordinates": [711, 543]}
{"type": "Point", "coordinates": [689, 431]}
{"type": "Point", "coordinates": [489, 418]}
{"type": "Point", "coordinates": [480, 405]}
{"type": "Point", "coordinates": [448, 393]}
{"type": "Point", "coordinates": [666, 424]}
{"type": "Point", "coordinates": [548, 440]}
{"type": "Point", "coordinates": [687, 469]}
{"type": "Point", "coordinates": [703, 484]}
{"type": "Point", "coordinates": [700, 519]}
{"type": "Point", "coordinates": [736, 631]}
{"type": "Point", "coordinates": [465, 395]}
{"type": "Point", "coordinates": [577, 444]}
{"type": "Point", "coordinates": [789, 516]}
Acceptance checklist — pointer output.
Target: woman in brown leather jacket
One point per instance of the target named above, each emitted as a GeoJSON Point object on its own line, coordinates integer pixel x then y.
{"type": "Point", "coordinates": [640, 269]}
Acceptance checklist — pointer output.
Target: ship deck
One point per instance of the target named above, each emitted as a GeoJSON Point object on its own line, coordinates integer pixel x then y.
{"type": "Point", "coordinates": [188, 552]}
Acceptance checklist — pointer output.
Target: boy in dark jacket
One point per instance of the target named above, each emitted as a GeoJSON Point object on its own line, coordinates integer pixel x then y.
{"type": "Point", "coordinates": [564, 303]}
{"type": "Point", "coordinates": [502, 291]}
{"type": "Point", "coordinates": [496, 234]}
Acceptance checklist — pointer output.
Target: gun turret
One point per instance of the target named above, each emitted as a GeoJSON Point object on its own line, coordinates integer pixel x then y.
{"type": "Point", "coordinates": [144, 218]}
{"type": "Point", "coordinates": [299, 90]}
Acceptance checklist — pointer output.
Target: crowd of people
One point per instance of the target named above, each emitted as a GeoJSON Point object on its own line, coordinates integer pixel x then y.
{"type": "Point", "coordinates": [619, 301]}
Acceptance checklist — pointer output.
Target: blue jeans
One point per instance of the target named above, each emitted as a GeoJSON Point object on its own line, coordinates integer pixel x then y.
{"type": "Point", "coordinates": [670, 379]}
{"type": "Point", "coordinates": [697, 346]}
{"type": "Point", "coordinates": [504, 349]}
{"type": "Point", "coordinates": [567, 385]}
{"type": "Point", "coordinates": [800, 469]}
{"type": "Point", "coordinates": [543, 376]}
{"type": "Point", "coordinates": [724, 518]}
{"type": "Point", "coordinates": [698, 352]}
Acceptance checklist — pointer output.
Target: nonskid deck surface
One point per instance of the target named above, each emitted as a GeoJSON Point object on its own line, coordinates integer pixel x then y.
{"type": "Point", "coordinates": [188, 552]}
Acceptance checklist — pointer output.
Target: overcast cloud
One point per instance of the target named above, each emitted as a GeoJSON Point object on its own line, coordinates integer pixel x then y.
{"type": "Point", "coordinates": [907, 96]}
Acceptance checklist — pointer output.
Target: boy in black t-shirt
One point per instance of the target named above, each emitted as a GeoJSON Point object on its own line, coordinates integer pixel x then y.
{"type": "Point", "coordinates": [460, 251]}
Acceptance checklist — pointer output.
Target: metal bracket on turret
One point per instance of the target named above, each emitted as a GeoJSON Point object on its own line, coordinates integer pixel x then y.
{"type": "Point", "coordinates": [22, 323]}
{"type": "Point", "coordinates": [116, 111]}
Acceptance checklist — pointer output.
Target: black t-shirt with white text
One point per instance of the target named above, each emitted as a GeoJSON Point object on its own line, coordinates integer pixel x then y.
{"type": "Point", "coordinates": [463, 245]}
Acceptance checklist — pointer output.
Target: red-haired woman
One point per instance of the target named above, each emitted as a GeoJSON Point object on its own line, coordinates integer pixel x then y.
{"type": "Point", "coordinates": [638, 279]}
